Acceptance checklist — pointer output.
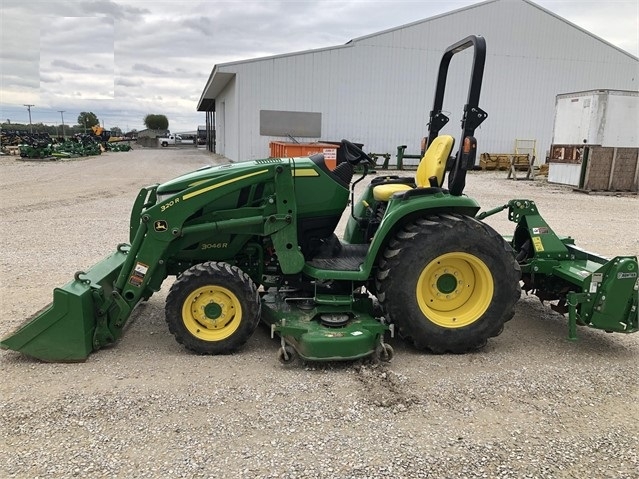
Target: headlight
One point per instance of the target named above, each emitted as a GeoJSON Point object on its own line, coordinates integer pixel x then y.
{"type": "Point", "coordinates": [162, 198]}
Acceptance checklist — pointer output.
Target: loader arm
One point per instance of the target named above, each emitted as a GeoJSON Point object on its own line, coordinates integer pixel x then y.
{"type": "Point", "coordinates": [92, 310]}
{"type": "Point", "coordinates": [163, 223]}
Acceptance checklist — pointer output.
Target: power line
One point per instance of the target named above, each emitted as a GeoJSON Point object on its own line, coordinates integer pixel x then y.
{"type": "Point", "coordinates": [29, 108]}
{"type": "Point", "coordinates": [62, 116]}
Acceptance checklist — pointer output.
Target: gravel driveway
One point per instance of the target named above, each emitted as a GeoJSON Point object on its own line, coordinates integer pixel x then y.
{"type": "Point", "coordinates": [530, 404]}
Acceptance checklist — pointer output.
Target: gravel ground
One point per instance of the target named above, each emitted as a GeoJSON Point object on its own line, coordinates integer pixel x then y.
{"type": "Point", "coordinates": [529, 405]}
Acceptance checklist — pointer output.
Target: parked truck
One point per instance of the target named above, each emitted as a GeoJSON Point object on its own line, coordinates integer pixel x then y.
{"type": "Point", "coordinates": [170, 139]}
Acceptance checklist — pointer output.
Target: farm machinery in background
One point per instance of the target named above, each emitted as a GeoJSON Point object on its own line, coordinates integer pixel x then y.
{"type": "Point", "coordinates": [108, 141]}
{"type": "Point", "coordinates": [30, 145]}
{"type": "Point", "coordinates": [87, 145]}
{"type": "Point", "coordinates": [76, 146]}
{"type": "Point", "coordinates": [42, 145]}
{"type": "Point", "coordinates": [254, 241]}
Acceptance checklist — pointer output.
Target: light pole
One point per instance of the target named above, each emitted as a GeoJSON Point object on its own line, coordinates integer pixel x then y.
{"type": "Point", "coordinates": [29, 108]}
{"type": "Point", "coordinates": [62, 116]}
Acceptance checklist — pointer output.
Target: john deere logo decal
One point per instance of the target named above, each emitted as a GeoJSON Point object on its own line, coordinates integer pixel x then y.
{"type": "Point", "coordinates": [160, 226]}
{"type": "Point", "coordinates": [626, 275]}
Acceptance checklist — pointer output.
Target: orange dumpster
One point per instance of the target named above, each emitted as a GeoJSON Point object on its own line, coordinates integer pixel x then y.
{"type": "Point", "coordinates": [281, 149]}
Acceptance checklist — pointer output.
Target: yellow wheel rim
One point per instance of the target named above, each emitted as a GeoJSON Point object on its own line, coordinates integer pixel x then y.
{"type": "Point", "coordinates": [455, 290]}
{"type": "Point", "coordinates": [212, 313]}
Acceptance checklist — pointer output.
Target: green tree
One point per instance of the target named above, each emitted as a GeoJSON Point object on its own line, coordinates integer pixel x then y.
{"type": "Point", "coordinates": [116, 131]}
{"type": "Point", "coordinates": [156, 122]}
{"type": "Point", "coordinates": [87, 119]}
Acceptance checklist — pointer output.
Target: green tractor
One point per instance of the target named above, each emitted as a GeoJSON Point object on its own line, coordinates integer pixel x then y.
{"type": "Point", "coordinates": [255, 241]}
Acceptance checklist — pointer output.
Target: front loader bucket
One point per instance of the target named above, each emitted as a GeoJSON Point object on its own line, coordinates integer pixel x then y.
{"type": "Point", "coordinates": [65, 331]}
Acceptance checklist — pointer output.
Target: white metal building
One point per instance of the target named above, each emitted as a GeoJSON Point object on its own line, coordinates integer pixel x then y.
{"type": "Point", "coordinates": [378, 89]}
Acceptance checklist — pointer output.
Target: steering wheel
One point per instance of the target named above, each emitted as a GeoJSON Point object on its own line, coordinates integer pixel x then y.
{"type": "Point", "coordinates": [354, 154]}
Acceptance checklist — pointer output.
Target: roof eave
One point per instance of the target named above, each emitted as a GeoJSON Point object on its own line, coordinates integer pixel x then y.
{"type": "Point", "coordinates": [215, 84]}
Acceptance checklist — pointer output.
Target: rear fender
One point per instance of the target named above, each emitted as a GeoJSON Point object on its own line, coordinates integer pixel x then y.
{"type": "Point", "coordinates": [401, 210]}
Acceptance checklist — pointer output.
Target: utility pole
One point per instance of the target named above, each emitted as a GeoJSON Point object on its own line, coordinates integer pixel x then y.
{"type": "Point", "coordinates": [29, 108]}
{"type": "Point", "coordinates": [62, 116]}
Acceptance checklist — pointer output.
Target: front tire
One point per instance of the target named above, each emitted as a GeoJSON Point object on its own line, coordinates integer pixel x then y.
{"type": "Point", "coordinates": [448, 282]}
{"type": "Point", "coordinates": [213, 308]}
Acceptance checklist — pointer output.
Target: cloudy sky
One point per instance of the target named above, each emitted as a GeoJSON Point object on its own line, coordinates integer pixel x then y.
{"type": "Point", "coordinates": [125, 59]}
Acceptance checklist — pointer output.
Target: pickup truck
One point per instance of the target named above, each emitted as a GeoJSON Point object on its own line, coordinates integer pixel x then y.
{"type": "Point", "coordinates": [170, 140]}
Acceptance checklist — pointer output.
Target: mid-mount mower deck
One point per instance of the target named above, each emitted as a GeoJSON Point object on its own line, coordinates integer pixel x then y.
{"type": "Point", "coordinates": [255, 241]}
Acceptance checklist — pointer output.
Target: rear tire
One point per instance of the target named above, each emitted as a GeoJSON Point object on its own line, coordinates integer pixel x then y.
{"type": "Point", "coordinates": [213, 308]}
{"type": "Point", "coordinates": [448, 282]}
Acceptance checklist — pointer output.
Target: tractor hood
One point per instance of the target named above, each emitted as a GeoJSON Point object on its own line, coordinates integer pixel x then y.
{"type": "Point", "coordinates": [207, 173]}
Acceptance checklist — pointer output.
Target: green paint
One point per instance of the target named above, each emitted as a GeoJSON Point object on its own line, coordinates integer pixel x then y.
{"type": "Point", "coordinates": [213, 310]}
{"type": "Point", "coordinates": [446, 283]}
{"type": "Point", "coordinates": [250, 214]}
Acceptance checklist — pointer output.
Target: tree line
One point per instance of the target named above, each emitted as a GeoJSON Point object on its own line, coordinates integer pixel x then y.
{"type": "Point", "coordinates": [85, 121]}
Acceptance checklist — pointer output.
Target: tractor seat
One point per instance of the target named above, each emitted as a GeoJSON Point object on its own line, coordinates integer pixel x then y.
{"type": "Point", "coordinates": [430, 172]}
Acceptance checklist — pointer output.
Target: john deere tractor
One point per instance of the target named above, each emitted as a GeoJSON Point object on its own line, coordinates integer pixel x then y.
{"type": "Point", "coordinates": [255, 241]}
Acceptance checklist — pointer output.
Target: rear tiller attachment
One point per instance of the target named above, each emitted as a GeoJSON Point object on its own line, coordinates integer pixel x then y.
{"type": "Point", "coordinates": [594, 291]}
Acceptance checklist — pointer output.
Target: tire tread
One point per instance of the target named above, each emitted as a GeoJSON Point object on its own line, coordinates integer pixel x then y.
{"type": "Point", "coordinates": [400, 256]}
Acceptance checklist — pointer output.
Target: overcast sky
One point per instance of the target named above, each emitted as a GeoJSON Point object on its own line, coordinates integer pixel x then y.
{"type": "Point", "coordinates": [124, 59]}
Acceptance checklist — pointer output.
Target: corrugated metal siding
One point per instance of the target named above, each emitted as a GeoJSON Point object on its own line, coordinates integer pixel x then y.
{"type": "Point", "coordinates": [378, 90]}
{"type": "Point", "coordinates": [226, 121]}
